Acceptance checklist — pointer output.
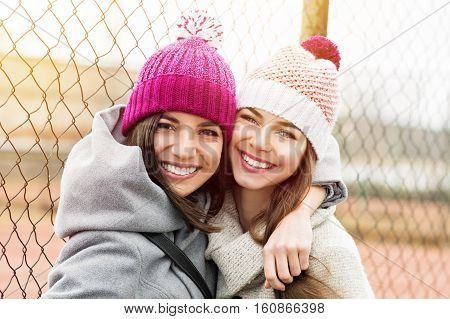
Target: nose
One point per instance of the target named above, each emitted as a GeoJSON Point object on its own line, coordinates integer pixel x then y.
{"type": "Point", "coordinates": [184, 146]}
{"type": "Point", "coordinates": [260, 140]}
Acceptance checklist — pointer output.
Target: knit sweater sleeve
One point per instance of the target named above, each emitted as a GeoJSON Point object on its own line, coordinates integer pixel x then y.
{"type": "Point", "coordinates": [345, 274]}
{"type": "Point", "coordinates": [328, 175]}
{"type": "Point", "coordinates": [95, 264]}
{"type": "Point", "coordinates": [336, 262]}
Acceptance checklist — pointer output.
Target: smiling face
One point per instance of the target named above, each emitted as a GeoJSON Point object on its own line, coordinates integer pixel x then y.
{"type": "Point", "coordinates": [265, 149]}
{"type": "Point", "coordinates": [188, 149]}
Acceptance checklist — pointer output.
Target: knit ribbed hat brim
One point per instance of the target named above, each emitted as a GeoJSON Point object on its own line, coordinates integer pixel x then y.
{"type": "Point", "coordinates": [289, 104]}
{"type": "Point", "coordinates": [177, 93]}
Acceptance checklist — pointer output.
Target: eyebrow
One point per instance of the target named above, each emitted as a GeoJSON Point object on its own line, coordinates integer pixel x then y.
{"type": "Point", "coordinates": [170, 118]}
{"type": "Point", "coordinates": [204, 124]}
{"type": "Point", "coordinates": [289, 124]}
{"type": "Point", "coordinates": [283, 123]}
{"type": "Point", "coordinates": [255, 112]}
{"type": "Point", "coordinates": [208, 123]}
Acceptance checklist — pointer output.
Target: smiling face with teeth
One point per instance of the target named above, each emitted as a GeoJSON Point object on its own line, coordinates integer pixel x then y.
{"type": "Point", "coordinates": [265, 149]}
{"type": "Point", "coordinates": [188, 149]}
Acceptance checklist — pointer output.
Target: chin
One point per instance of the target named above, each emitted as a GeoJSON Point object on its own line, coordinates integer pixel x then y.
{"type": "Point", "coordinates": [250, 183]}
{"type": "Point", "coordinates": [183, 190]}
{"type": "Point", "coordinates": [189, 186]}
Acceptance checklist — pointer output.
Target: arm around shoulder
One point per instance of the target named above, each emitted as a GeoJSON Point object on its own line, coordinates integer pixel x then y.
{"type": "Point", "coordinates": [327, 174]}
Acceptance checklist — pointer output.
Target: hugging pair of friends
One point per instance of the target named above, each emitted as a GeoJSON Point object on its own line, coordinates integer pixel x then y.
{"type": "Point", "coordinates": [244, 184]}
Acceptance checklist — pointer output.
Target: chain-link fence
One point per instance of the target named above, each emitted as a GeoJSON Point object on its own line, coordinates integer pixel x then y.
{"type": "Point", "coordinates": [62, 61]}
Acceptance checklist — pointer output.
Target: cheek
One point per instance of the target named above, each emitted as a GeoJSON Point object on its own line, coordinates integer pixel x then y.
{"type": "Point", "coordinates": [240, 132]}
{"type": "Point", "coordinates": [290, 156]}
{"type": "Point", "coordinates": [160, 143]}
{"type": "Point", "coordinates": [237, 140]}
{"type": "Point", "coordinates": [234, 155]}
{"type": "Point", "coordinates": [212, 153]}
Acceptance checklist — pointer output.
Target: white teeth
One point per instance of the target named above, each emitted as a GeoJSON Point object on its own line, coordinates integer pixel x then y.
{"type": "Point", "coordinates": [178, 170]}
{"type": "Point", "coordinates": [254, 163]}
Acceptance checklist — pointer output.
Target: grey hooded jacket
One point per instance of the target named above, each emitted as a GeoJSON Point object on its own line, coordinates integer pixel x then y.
{"type": "Point", "coordinates": [106, 200]}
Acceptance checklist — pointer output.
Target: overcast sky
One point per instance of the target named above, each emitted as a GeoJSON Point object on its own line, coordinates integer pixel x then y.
{"type": "Point", "coordinates": [394, 59]}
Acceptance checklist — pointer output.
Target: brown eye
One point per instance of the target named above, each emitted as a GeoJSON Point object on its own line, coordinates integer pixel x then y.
{"type": "Point", "coordinates": [165, 126]}
{"type": "Point", "coordinates": [209, 132]}
{"type": "Point", "coordinates": [287, 134]}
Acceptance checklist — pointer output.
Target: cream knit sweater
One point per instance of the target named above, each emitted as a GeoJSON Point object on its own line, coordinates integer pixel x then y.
{"type": "Point", "coordinates": [240, 262]}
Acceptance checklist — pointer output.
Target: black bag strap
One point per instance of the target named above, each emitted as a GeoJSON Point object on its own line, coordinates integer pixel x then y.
{"type": "Point", "coordinates": [181, 260]}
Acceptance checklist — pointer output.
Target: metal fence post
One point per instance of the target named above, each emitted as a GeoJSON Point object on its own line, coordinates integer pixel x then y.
{"type": "Point", "coordinates": [314, 18]}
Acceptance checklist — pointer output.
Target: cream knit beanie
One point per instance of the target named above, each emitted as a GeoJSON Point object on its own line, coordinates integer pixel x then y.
{"type": "Point", "coordinates": [298, 84]}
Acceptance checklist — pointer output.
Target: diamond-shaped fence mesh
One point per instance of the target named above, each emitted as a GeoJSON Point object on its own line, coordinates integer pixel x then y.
{"type": "Point", "coordinates": [62, 61]}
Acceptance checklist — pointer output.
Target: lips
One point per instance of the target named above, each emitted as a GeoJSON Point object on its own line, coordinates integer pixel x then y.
{"type": "Point", "coordinates": [179, 170]}
{"type": "Point", "coordinates": [254, 164]}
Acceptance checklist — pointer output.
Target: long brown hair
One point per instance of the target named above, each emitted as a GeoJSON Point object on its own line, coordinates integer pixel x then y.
{"type": "Point", "coordinates": [142, 135]}
{"type": "Point", "coordinates": [306, 286]}
{"type": "Point", "coordinates": [285, 198]}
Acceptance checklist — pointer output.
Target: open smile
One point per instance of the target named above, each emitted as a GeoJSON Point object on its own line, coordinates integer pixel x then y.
{"type": "Point", "coordinates": [255, 164]}
{"type": "Point", "coordinates": [179, 170]}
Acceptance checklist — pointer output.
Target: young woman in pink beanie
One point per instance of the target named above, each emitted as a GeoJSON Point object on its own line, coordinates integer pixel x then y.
{"type": "Point", "coordinates": [286, 111]}
{"type": "Point", "coordinates": [148, 167]}
{"type": "Point", "coordinates": [155, 165]}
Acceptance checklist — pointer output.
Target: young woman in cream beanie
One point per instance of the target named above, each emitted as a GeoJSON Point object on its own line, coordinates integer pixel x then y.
{"type": "Point", "coordinates": [286, 111]}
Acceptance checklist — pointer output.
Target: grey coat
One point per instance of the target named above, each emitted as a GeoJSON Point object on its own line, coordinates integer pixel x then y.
{"type": "Point", "coordinates": [106, 200]}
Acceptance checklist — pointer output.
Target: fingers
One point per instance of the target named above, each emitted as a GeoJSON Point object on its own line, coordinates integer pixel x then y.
{"type": "Point", "coordinates": [287, 262]}
{"type": "Point", "coordinates": [304, 258]}
{"type": "Point", "coordinates": [294, 262]}
{"type": "Point", "coordinates": [270, 271]}
{"type": "Point", "coordinates": [281, 261]}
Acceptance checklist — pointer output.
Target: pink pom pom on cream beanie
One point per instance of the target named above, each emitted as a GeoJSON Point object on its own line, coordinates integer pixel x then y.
{"type": "Point", "coordinates": [298, 84]}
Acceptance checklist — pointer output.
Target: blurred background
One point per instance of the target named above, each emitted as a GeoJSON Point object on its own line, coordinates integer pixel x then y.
{"type": "Point", "coordinates": [62, 61]}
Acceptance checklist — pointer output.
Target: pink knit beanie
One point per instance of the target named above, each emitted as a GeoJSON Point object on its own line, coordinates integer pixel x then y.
{"type": "Point", "coordinates": [186, 76]}
{"type": "Point", "coordinates": [300, 85]}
